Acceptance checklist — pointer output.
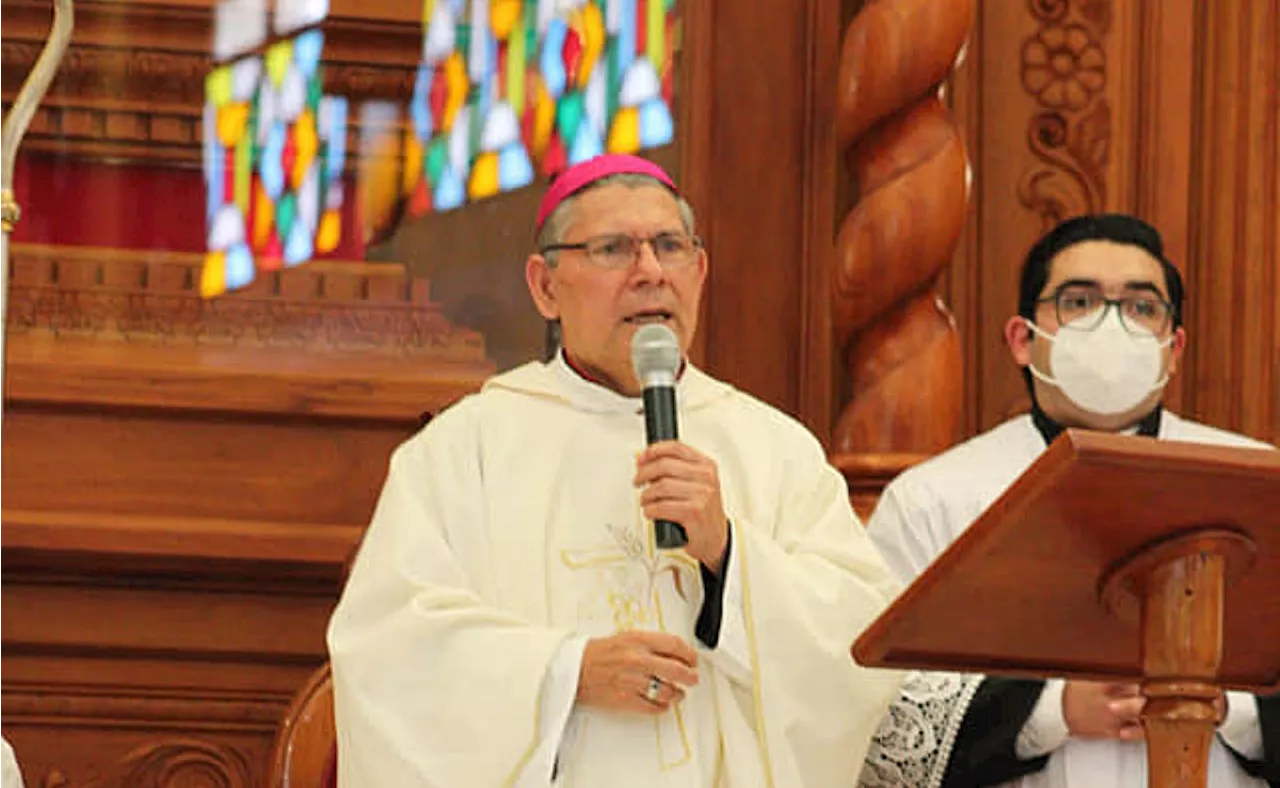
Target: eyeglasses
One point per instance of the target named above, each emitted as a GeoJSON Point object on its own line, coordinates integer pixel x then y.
{"type": "Point", "coordinates": [672, 250]}
{"type": "Point", "coordinates": [1083, 308]}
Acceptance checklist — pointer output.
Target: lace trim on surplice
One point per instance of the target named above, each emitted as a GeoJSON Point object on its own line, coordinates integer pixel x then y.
{"type": "Point", "coordinates": [911, 747]}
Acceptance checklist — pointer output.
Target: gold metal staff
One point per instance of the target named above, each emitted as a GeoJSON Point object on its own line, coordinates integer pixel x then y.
{"type": "Point", "coordinates": [15, 127]}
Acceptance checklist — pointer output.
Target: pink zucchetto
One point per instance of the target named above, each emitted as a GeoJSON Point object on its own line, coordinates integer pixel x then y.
{"type": "Point", "coordinates": [583, 174]}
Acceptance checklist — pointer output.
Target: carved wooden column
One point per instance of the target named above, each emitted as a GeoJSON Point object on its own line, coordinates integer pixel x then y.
{"type": "Point", "coordinates": [909, 177]}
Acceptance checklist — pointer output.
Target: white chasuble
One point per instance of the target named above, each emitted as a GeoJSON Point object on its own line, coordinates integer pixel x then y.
{"type": "Point", "coordinates": [10, 774]}
{"type": "Point", "coordinates": [510, 526]}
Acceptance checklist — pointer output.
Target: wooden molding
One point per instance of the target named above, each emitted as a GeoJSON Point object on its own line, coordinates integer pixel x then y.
{"type": "Point", "coordinates": [177, 761]}
{"type": "Point", "coordinates": [165, 709]}
{"type": "Point", "coordinates": [340, 339]}
{"type": "Point", "coordinates": [196, 552]}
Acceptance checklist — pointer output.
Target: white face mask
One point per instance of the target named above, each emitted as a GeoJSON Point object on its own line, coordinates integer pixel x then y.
{"type": "Point", "coordinates": [1109, 370]}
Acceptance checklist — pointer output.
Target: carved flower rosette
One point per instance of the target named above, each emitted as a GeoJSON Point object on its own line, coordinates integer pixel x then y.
{"type": "Point", "coordinates": [1064, 69]}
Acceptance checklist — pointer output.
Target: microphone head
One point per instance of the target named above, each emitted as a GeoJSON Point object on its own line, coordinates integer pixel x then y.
{"type": "Point", "coordinates": [655, 355]}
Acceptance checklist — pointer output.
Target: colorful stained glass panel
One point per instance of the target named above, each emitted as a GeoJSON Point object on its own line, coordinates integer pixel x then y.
{"type": "Point", "coordinates": [274, 150]}
{"type": "Point", "coordinates": [510, 88]}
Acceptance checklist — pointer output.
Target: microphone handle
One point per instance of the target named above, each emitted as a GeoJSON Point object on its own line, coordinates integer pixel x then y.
{"type": "Point", "coordinates": [660, 425]}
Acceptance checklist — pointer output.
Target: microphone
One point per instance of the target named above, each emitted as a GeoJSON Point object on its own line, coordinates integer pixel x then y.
{"type": "Point", "coordinates": [655, 355]}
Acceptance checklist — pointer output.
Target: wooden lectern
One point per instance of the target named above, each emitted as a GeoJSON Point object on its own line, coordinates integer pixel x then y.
{"type": "Point", "coordinates": [1113, 557]}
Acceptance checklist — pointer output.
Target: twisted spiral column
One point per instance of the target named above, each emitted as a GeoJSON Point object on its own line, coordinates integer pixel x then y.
{"type": "Point", "coordinates": [909, 177]}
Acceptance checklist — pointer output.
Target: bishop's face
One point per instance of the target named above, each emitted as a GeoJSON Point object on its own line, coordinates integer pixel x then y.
{"type": "Point", "coordinates": [600, 307]}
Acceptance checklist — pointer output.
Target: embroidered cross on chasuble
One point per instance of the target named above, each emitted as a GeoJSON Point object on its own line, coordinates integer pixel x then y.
{"type": "Point", "coordinates": [629, 584]}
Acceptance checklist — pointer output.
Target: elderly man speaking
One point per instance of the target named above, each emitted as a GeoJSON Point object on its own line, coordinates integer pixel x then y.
{"type": "Point", "coordinates": [510, 619]}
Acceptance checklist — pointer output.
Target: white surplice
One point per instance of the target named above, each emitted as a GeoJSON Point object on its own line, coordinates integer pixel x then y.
{"type": "Point", "coordinates": [508, 531]}
{"type": "Point", "coordinates": [920, 514]}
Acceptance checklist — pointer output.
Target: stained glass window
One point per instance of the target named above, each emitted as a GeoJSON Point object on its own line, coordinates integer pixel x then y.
{"type": "Point", "coordinates": [274, 151]}
{"type": "Point", "coordinates": [510, 88]}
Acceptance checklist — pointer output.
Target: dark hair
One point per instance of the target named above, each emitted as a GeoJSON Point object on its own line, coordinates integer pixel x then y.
{"type": "Point", "coordinates": [1114, 227]}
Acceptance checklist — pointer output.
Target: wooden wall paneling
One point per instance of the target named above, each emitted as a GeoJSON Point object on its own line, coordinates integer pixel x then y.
{"type": "Point", "coordinates": [819, 363]}
{"type": "Point", "coordinates": [697, 84]}
{"type": "Point", "coordinates": [1005, 226]}
{"type": "Point", "coordinates": [1120, 30]}
{"type": "Point", "coordinates": [962, 283]}
{"type": "Point", "coordinates": [1158, 89]}
{"type": "Point", "coordinates": [1215, 320]}
{"type": "Point", "coordinates": [154, 651]}
{"type": "Point", "coordinates": [118, 720]}
{"type": "Point", "coordinates": [759, 163]}
{"type": "Point", "coordinates": [1235, 215]}
{"type": "Point", "coordinates": [1010, 103]}
{"type": "Point", "coordinates": [1166, 109]}
{"type": "Point", "coordinates": [744, 176]}
{"type": "Point", "coordinates": [167, 581]}
{"type": "Point", "coordinates": [185, 482]}
{"type": "Point", "coordinates": [196, 465]}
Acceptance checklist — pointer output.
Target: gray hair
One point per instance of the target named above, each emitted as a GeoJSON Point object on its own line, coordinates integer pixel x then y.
{"type": "Point", "coordinates": [554, 227]}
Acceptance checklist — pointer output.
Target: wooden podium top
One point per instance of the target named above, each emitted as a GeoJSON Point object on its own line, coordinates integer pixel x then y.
{"type": "Point", "coordinates": [1020, 592]}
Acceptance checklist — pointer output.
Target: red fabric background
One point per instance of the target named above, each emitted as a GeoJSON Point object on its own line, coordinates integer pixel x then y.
{"type": "Point", "coordinates": [130, 206]}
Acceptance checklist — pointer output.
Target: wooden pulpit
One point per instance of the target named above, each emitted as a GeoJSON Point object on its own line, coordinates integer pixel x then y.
{"type": "Point", "coordinates": [1113, 558]}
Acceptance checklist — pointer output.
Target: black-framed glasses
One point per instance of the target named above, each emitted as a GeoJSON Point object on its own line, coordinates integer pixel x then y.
{"type": "Point", "coordinates": [1084, 307]}
{"type": "Point", "coordinates": [672, 250]}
